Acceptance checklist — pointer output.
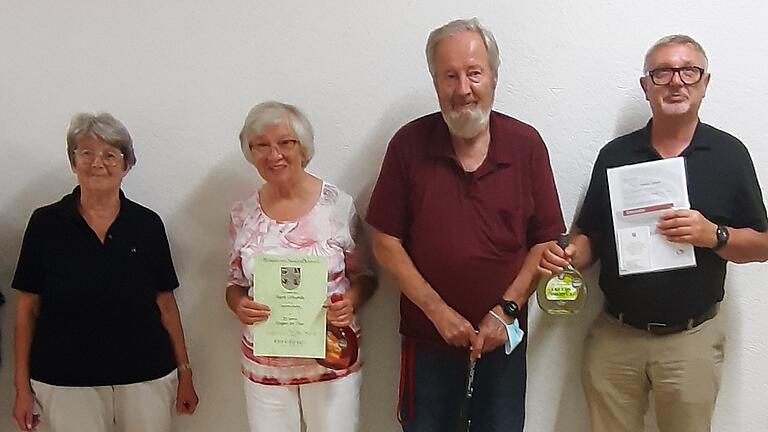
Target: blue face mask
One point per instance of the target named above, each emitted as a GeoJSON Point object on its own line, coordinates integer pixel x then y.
{"type": "Point", "coordinates": [514, 333]}
{"type": "Point", "coordinates": [514, 337]}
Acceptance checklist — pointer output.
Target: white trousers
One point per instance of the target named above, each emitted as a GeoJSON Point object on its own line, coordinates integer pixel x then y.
{"type": "Point", "coordinates": [329, 406]}
{"type": "Point", "coordinates": [142, 407]}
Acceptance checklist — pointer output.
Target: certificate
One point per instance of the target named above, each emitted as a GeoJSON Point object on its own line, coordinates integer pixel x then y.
{"type": "Point", "coordinates": [639, 194]}
{"type": "Point", "coordinates": [294, 288]}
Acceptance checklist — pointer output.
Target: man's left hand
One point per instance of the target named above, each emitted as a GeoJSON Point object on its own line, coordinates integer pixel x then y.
{"type": "Point", "coordinates": [491, 335]}
{"type": "Point", "coordinates": [688, 226]}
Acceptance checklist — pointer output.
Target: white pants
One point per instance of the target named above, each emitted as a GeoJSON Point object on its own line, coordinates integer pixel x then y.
{"type": "Point", "coordinates": [329, 406]}
{"type": "Point", "coordinates": [141, 407]}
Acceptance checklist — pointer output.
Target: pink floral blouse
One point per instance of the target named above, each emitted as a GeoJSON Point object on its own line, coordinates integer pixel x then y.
{"type": "Point", "coordinates": [329, 230]}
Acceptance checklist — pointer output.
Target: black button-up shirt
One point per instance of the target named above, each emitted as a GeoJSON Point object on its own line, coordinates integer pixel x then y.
{"type": "Point", "coordinates": [722, 185]}
{"type": "Point", "coordinates": [99, 323]}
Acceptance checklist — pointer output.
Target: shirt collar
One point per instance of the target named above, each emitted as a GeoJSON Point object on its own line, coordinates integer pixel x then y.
{"type": "Point", "coordinates": [69, 205]}
{"type": "Point", "coordinates": [699, 141]}
{"type": "Point", "coordinates": [440, 142]}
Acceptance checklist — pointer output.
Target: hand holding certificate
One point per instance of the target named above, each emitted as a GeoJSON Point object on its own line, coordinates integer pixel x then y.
{"type": "Point", "coordinates": [295, 289]}
{"type": "Point", "coordinates": [639, 194]}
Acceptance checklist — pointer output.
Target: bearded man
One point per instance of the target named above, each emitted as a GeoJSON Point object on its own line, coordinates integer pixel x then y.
{"type": "Point", "coordinates": [463, 207]}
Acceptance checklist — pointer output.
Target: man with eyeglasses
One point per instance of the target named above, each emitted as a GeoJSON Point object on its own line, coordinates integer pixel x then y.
{"type": "Point", "coordinates": [660, 332]}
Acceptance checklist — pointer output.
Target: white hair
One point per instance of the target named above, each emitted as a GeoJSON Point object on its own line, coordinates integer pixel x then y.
{"type": "Point", "coordinates": [459, 26]}
{"type": "Point", "coordinates": [271, 113]}
{"type": "Point", "coordinates": [105, 127]}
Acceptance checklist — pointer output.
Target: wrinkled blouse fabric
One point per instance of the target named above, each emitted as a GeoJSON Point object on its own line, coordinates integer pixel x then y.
{"type": "Point", "coordinates": [329, 229]}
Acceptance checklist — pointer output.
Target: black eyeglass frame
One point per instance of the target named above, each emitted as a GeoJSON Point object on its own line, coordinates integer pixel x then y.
{"type": "Point", "coordinates": [678, 71]}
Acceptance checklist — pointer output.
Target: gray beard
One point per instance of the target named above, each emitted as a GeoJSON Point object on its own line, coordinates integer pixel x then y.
{"type": "Point", "coordinates": [467, 124]}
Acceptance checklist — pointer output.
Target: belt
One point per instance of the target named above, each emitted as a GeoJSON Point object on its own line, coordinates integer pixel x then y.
{"type": "Point", "coordinates": [661, 328]}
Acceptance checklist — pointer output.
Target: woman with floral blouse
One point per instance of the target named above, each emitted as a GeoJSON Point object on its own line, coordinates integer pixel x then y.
{"type": "Point", "coordinates": [295, 213]}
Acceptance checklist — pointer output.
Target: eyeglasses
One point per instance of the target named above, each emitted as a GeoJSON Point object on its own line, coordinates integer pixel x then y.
{"type": "Point", "coordinates": [689, 75]}
{"type": "Point", "coordinates": [283, 146]}
{"type": "Point", "coordinates": [110, 158]}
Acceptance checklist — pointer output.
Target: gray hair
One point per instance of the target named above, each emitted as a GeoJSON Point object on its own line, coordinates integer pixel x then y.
{"type": "Point", "coordinates": [271, 113]}
{"type": "Point", "coordinates": [459, 26]}
{"type": "Point", "coordinates": [104, 127]}
{"type": "Point", "coordinates": [675, 39]}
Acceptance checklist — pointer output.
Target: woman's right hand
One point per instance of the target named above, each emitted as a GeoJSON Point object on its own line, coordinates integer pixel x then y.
{"type": "Point", "coordinates": [246, 310]}
{"type": "Point", "coordinates": [250, 312]}
{"type": "Point", "coordinates": [24, 410]}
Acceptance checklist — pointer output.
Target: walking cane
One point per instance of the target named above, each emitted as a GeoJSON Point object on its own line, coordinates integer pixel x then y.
{"type": "Point", "coordinates": [465, 419]}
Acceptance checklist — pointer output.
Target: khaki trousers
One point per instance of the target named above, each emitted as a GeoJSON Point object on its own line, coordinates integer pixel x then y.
{"type": "Point", "coordinates": [141, 407]}
{"type": "Point", "coordinates": [682, 371]}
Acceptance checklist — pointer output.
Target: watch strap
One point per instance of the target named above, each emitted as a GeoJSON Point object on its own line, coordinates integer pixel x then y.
{"type": "Point", "coordinates": [510, 308]}
{"type": "Point", "coordinates": [722, 235]}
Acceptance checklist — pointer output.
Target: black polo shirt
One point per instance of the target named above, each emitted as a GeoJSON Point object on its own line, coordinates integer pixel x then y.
{"type": "Point", "coordinates": [722, 185]}
{"type": "Point", "coordinates": [99, 323]}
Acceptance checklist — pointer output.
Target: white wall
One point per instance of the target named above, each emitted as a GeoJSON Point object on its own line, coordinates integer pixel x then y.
{"type": "Point", "coordinates": [182, 75]}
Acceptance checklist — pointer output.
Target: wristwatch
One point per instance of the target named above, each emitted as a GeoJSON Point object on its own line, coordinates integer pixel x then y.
{"type": "Point", "coordinates": [722, 237]}
{"type": "Point", "coordinates": [510, 308]}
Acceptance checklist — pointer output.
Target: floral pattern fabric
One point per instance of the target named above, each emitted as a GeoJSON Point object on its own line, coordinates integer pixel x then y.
{"type": "Point", "coordinates": [329, 229]}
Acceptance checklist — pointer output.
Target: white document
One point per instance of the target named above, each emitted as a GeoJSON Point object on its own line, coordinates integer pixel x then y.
{"type": "Point", "coordinates": [639, 194]}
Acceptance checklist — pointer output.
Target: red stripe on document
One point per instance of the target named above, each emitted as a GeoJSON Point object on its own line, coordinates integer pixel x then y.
{"type": "Point", "coordinates": [648, 209]}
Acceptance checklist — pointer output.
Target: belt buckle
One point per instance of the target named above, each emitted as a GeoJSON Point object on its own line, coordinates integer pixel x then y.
{"type": "Point", "coordinates": [656, 327]}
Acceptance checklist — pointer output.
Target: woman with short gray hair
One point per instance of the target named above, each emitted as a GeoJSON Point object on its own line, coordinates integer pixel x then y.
{"type": "Point", "coordinates": [105, 127]}
{"type": "Point", "coordinates": [297, 214]}
{"type": "Point", "coordinates": [99, 342]}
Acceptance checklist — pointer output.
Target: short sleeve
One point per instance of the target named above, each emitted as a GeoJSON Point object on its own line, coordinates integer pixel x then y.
{"type": "Point", "coordinates": [546, 222]}
{"type": "Point", "coordinates": [166, 273]}
{"type": "Point", "coordinates": [388, 210]}
{"type": "Point", "coordinates": [750, 211]}
{"type": "Point", "coordinates": [235, 273]}
{"type": "Point", "coordinates": [357, 253]}
{"type": "Point", "coordinates": [29, 269]}
{"type": "Point", "coordinates": [591, 219]}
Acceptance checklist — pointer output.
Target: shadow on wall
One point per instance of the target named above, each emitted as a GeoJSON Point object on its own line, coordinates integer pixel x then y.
{"type": "Point", "coordinates": [566, 335]}
{"type": "Point", "coordinates": [381, 316]}
{"type": "Point", "coordinates": [47, 188]}
{"type": "Point", "coordinates": [198, 231]}
{"type": "Point", "coordinates": [634, 115]}
{"type": "Point", "coordinates": [733, 326]}
{"type": "Point", "coordinates": [198, 236]}
{"type": "Point", "coordinates": [10, 239]}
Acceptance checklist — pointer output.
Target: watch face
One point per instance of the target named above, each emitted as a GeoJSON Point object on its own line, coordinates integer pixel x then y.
{"type": "Point", "coordinates": [510, 308]}
{"type": "Point", "coordinates": [722, 237]}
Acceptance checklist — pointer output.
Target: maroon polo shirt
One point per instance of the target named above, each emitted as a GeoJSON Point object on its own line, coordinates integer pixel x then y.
{"type": "Point", "coordinates": [467, 232]}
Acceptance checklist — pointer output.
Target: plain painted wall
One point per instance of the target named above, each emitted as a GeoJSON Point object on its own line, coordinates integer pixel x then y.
{"type": "Point", "coordinates": [182, 75]}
